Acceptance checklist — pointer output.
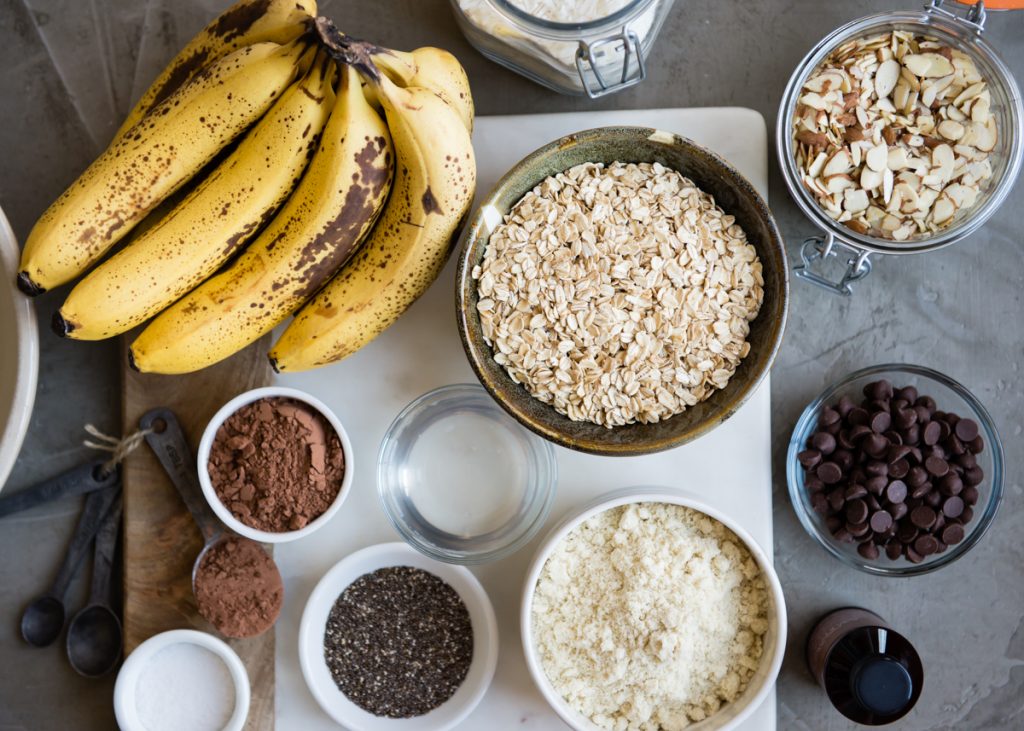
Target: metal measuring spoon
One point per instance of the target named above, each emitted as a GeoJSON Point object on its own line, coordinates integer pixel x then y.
{"type": "Point", "coordinates": [164, 435]}
{"type": "Point", "coordinates": [94, 636]}
{"type": "Point", "coordinates": [79, 480]}
{"type": "Point", "coordinates": [43, 619]}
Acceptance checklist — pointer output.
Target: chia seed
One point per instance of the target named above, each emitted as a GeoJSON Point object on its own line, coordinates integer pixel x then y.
{"type": "Point", "coordinates": [398, 642]}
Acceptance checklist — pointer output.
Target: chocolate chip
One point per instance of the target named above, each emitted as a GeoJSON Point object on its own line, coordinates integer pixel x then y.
{"type": "Point", "coordinates": [896, 492]}
{"type": "Point", "coordinates": [973, 476]}
{"type": "Point", "coordinates": [876, 484]}
{"type": "Point", "coordinates": [858, 530]}
{"type": "Point", "coordinates": [953, 507]}
{"type": "Point", "coordinates": [966, 460]}
{"type": "Point", "coordinates": [893, 437]}
{"type": "Point", "coordinates": [856, 511]}
{"type": "Point", "coordinates": [880, 422]}
{"type": "Point", "coordinates": [843, 536]}
{"type": "Point", "coordinates": [912, 434]}
{"type": "Point", "coordinates": [873, 503]}
{"type": "Point", "coordinates": [876, 467]}
{"type": "Point", "coordinates": [926, 545]}
{"type": "Point", "coordinates": [944, 430]}
{"type": "Point", "coordinates": [952, 534]}
{"type": "Point", "coordinates": [955, 447]}
{"type": "Point", "coordinates": [819, 502]}
{"type": "Point", "coordinates": [828, 416]}
{"type": "Point", "coordinates": [951, 484]}
{"type": "Point", "coordinates": [923, 414]}
{"type": "Point", "coordinates": [966, 429]}
{"type": "Point", "coordinates": [922, 517]}
{"type": "Point", "coordinates": [897, 452]}
{"type": "Point", "coordinates": [881, 521]}
{"type": "Point", "coordinates": [868, 550]}
{"type": "Point", "coordinates": [933, 499]}
{"type": "Point", "coordinates": [907, 393]}
{"type": "Point", "coordinates": [875, 445]}
{"type": "Point", "coordinates": [932, 433]}
{"type": "Point", "coordinates": [912, 555]}
{"type": "Point", "coordinates": [917, 475]}
{"type": "Point", "coordinates": [824, 442]}
{"type": "Point", "coordinates": [977, 445]}
{"type": "Point", "coordinates": [836, 500]}
{"type": "Point", "coordinates": [893, 549]}
{"type": "Point", "coordinates": [879, 390]}
{"type": "Point", "coordinates": [919, 491]}
{"type": "Point", "coordinates": [927, 402]}
{"type": "Point", "coordinates": [897, 510]}
{"type": "Point", "coordinates": [858, 416]}
{"type": "Point", "coordinates": [967, 516]}
{"type": "Point", "coordinates": [899, 469]}
{"type": "Point", "coordinates": [833, 523]}
{"type": "Point", "coordinates": [905, 418]}
{"type": "Point", "coordinates": [855, 492]}
{"type": "Point", "coordinates": [809, 458]}
{"type": "Point", "coordinates": [970, 495]}
{"type": "Point", "coordinates": [936, 466]}
{"type": "Point", "coordinates": [843, 458]}
{"type": "Point", "coordinates": [829, 473]}
{"type": "Point", "coordinates": [844, 406]}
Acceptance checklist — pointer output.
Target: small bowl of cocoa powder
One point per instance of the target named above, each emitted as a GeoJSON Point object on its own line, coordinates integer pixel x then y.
{"type": "Point", "coordinates": [275, 464]}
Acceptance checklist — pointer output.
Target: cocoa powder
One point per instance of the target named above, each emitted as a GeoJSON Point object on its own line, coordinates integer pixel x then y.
{"type": "Point", "coordinates": [276, 464]}
{"type": "Point", "coordinates": [238, 588]}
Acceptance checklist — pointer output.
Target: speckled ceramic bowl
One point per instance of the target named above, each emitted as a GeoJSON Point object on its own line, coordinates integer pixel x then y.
{"type": "Point", "coordinates": [732, 192]}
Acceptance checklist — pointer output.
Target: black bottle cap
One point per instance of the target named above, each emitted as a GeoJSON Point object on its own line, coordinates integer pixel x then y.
{"type": "Point", "coordinates": [881, 685]}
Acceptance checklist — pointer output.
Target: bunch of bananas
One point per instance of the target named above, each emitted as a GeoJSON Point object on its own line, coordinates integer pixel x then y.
{"type": "Point", "coordinates": [276, 166]}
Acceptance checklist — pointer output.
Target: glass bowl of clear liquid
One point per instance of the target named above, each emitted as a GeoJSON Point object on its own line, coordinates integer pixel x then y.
{"type": "Point", "coordinates": [462, 481]}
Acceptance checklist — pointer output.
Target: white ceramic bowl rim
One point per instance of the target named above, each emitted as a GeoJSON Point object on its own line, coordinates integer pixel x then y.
{"type": "Point", "coordinates": [127, 678]}
{"type": "Point", "coordinates": [14, 424]}
{"type": "Point", "coordinates": [203, 458]}
{"type": "Point", "coordinates": [314, 619]}
{"type": "Point", "coordinates": [751, 698]}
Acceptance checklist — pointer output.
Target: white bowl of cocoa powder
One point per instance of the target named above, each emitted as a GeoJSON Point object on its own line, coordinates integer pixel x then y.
{"type": "Point", "coordinates": [275, 464]}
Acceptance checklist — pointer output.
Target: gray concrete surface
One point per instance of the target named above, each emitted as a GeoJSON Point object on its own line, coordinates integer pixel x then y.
{"type": "Point", "coordinates": [70, 70]}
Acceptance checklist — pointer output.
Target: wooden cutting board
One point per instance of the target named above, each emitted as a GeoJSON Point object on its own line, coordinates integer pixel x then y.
{"type": "Point", "coordinates": [161, 541]}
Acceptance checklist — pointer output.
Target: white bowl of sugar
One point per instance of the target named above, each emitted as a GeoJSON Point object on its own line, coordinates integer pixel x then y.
{"type": "Point", "coordinates": [182, 679]}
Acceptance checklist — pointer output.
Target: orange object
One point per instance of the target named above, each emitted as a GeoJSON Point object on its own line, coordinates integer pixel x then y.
{"type": "Point", "coordinates": [997, 4]}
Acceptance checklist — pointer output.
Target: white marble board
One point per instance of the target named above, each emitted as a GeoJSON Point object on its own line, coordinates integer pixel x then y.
{"type": "Point", "coordinates": [730, 468]}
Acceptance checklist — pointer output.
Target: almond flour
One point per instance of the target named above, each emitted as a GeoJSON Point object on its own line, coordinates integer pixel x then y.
{"type": "Point", "coordinates": [650, 617]}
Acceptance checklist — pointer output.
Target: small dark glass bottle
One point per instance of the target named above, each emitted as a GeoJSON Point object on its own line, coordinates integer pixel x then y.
{"type": "Point", "coordinates": [871, 674]}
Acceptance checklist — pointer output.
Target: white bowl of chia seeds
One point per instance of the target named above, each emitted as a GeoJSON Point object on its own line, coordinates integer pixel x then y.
{"type": "Point", "coordinates": [388, 613]}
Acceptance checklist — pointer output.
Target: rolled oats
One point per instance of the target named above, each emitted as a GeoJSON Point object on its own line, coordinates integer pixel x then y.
{"type": "Point", "coordinates": [619, 293]}
{"type": "Point", "coordinates": [894, 133]}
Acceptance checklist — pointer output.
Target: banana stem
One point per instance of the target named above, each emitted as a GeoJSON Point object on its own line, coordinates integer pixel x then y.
{"type": "Point", "coordinates": [346, 49]}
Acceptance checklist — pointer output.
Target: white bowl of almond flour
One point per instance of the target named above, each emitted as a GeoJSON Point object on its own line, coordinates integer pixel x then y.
{"type": "Point", "coordinates": [651, 611]}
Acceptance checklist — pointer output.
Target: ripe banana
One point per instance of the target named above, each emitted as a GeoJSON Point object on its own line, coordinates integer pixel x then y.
{"type": "Point", "coordinates": [216, 220]}
{"type": "Point", "coordinates": [160, 153]}
{"type": "Point", "coordinates": [434, 185]}
{"type": "Point", "coordinates": [243, 24]}
{"type": "Point", "coordinates": [315, 233]}
{"type": "Point", "coordinates": [433, 68]}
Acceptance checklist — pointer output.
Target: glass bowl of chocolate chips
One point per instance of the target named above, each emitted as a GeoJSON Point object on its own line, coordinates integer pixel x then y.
{"type": "Point", "coordinates": [896, 470]}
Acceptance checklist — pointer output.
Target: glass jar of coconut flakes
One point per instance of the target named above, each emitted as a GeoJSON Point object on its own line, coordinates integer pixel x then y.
{"type": "Point", "coordinates": [592, 47]}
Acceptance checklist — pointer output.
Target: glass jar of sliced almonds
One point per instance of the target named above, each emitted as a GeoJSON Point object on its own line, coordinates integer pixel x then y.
{"type": "Point", "coordinates": [898, 133]}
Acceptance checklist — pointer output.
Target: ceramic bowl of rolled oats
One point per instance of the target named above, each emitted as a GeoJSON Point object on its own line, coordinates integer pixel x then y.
{"type": "Point", "coordinates": [900, 133]}
{"type": "Point", "coordinates": [622, 291]}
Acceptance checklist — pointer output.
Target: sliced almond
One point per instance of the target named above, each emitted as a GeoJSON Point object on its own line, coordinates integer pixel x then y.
{"type": "Point", "coordinates": [950, 130]}
{"type": "Point", "coordinates": [815, 168]}
{"type": "Point", "coordinates": [824, 82]}
{"type": "Point", "coordinates": [985, 136]}
{"type": "Point", "coordinates": [870, 179]}
{"type": "Point", "coordinates": [969, 93]}
{"type": "Point", "coordinates": [887, 181]}
{"type": "Point", "coordinates": [855, 200]}
{"type": "Point", "coordinates": [839, 183]}
{"type": "Point", "coordinates": [928, 65]}
{"type": "Point", "coordinates": [896, 159]}
{"type": "Point", "coordinates": [876, 157]}
{"type": "Point", "coordinates": [814, 101]}
{"type": "Point", "coordinates": [980, 109]}
{"type": "Point", "coordinates": [886, 77]}
{"type": "Point", "coordinates": [837, 164]}
{"type": "Point", "coordinates": [942, 161]}
{"type": "Point", "coordinates": [943, 210]}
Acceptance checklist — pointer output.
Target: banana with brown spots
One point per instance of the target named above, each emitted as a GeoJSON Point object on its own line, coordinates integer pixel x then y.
{"type": "Point", "coordinates": [432, 68]}
{"type": "Point", "coordinates": [316, 232]}
{"type": "Point", "coordinates": [170, 145]}
{"type": "Point", "coordinates": [243, 24]}
{"type": "Point", "coordinates": [215, 221]}
{"type": "Point", "coordinates": [434, 185]}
